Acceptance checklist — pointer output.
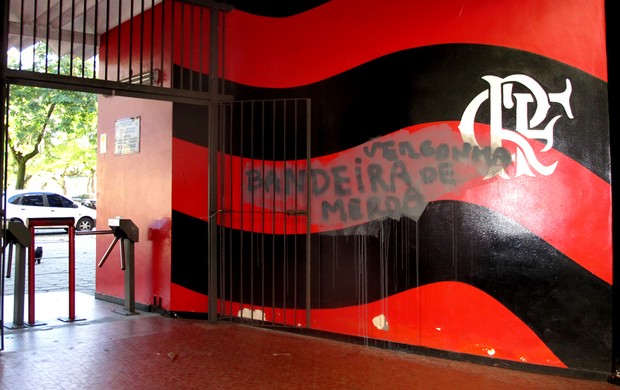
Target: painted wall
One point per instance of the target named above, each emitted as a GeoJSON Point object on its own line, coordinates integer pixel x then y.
{"type": "Point", "coordinates": [461, 196]}
{"type": "Point", "coordinates": [136, 186]}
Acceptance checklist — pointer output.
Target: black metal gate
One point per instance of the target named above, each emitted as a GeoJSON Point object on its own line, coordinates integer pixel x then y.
{"type": "Point", "coordinates": [168, 50]}
{"type": "Point", "coordinates": [264, 224]}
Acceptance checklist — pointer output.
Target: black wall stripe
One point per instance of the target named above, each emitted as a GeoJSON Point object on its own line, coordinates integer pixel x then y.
{"type": "Point", "coordinates": [436, 83]}
{"type": "Point", "coordinates": [274, 8]}
{"type": "Point", "coordinates": [564, 304]}
{"type": "Point", "coordinates": [189, 251]}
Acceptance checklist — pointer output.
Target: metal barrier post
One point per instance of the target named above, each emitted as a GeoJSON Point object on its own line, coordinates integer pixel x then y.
{"type": "Point", "coordinates": [71, 278]}
{"type": "Point", "coordinates": [42, 222]}
{"type": "Point", "coordinates": [127, 247]}
{"type": "Point", "coordinates": [127, 233]}
{"type": "Point", "coordinates": [19, 236]}
{"type": "Point", "coordinates": [31, 308]}
{"type": "Point", "coordinates": [19, 287]}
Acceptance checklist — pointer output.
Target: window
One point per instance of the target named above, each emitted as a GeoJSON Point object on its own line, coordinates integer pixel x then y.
{"type": "Point", "coordinates": [15, 199]}
{"type": "Point", "coordinates": [32, 200]}
{"type": "Point", "coordinates": [55, 200]}
{"type": "Point", "coordinates": [67, 202]}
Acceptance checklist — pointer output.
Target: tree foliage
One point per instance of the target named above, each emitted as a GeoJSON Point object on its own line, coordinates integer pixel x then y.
{"type": "Point", "coordinates": [51, 132]}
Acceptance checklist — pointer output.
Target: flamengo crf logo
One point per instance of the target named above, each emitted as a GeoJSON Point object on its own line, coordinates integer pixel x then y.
{"type": "Point", "coordinates": [501, 96]}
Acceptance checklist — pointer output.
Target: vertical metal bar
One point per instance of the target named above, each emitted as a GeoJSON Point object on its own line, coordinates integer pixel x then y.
{"type": "Point", "coordinates": [10, 257]}
{"type": "Point", "coordinates": [223, 151]}
{"type": "Point", "coordinates": [262, 236]}
{"type": "Point", "coordinates": [71, 272]}
{"type": "Point", "coordinates": [190, 67]}
{"type": "Point", "coordinates": [16, 305]}
{"type": "Point", "coordinates": [212, 190]}
{"type": "Point", "coordinates": [273, 210]}
{"type": "Point", "coordinates": [118, 43]}
{"type": "Point", "coordinates": [59, 36]}
{"type": "Point", "coordinates": [130, 38]}
{"type": "Point", "coordinates": [296, 243]}
{"type": "Point", "coordinates": [231, 206]}
{"type": "Point", "coordinates": [222, 66]}
{"type": "Point", "coordinates": [253, 238]}
{"type": "Point", "coordinates": [163, 38]}
{"type": "Point", "coordinates": [4, 113]}
{"type": "Point", "coordinates": [5, 96]}
{"type": "Point", "coordinates": [182, 40]}
{"type": "Point", "coordinates": [296, 199]}
{"type": "Point", "coordinates": [47, 36]}
{"type": "Point", "coordinates": [308, 215]}
{"type": "Point", "coordinates": [19, 287]}
{"type": "Point", "coordinates": [284, 216]}
{"type": "Point", "coordinates": [241, 197]}
{"type": "Point", "coordinates": [228, 134]}
{"type": "Point", "coordinates": [172, 27]}
{"type": "Point", "coordinates": [72, 38]}
{"type": "Point", "coordinates": [152, 68]}
{"type": "Point", "coordinates": [4, 91]}
{"type": "Point", "coordinates": [21, 34]}
{"type": "Point", "coordinates": [31, 291]}
{"type": "Point", "coordinates": [34, 35]}
{"type": "Point", "coordinates": [95, 39]}
{"type": "Point", "coordinates": [107, 40]}
{"type": "Point", "coordinates": [84, 41]}
{"type": "Point", "coordinates": [200, 45]}
{"type": "Point", "coordinates": [142, 40]}
{"type": "Point", "coordinates": [123, 258]}
{"type": "Point", "coordinates": [128, 254]}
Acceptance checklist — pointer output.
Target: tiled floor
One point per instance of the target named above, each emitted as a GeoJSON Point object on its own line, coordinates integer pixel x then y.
{"type": "Point", "coordinates": [148, 351]}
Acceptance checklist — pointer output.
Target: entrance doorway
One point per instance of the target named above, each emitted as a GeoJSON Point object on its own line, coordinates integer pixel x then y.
{"type": "Point", "coordinates": [264, 236]}
{"type": "Point", "coordinates": [135, 47]}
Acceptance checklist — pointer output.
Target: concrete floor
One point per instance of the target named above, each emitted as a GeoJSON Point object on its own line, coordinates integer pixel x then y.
{"type": "Point", "coordinates": [103, 349]}
{"type": "Point", "coordinates": [108, 350]}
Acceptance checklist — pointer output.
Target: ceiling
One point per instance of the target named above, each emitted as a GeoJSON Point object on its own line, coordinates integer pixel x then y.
{"type": "Point", "coordinates": [44, 20]}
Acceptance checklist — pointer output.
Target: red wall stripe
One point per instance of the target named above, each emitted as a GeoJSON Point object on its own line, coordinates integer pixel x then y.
{"type": "Point", "coordinates": [342, 34]}
{"type": "Point", "coordinates": [553, 207]}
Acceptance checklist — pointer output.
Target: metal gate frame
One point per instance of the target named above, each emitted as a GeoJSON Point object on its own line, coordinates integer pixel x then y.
{"type": "Point", "coordinates": [68, 24]}
{"type": "Point", "coordinates": [250, 133]}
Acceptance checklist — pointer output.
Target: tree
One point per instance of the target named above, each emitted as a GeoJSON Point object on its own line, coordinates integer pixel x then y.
{"type": "Point", "coordinates": [53, 131]}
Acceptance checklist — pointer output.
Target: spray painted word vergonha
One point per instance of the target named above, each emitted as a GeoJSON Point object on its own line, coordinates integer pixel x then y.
{"type": "Point", "coordinates": [394, 176]}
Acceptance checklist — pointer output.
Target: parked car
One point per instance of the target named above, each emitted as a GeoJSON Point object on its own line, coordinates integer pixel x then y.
{"type": "Point", "coordinates": [85, 200]}
{"type": "Point", "coordinates": [90, 203]}
{"type": "Point", "coordinates": [22, 205]}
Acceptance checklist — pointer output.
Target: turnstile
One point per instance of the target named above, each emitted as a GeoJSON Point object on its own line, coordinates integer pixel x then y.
{"type": "Point", "coordinates": [18, 237]}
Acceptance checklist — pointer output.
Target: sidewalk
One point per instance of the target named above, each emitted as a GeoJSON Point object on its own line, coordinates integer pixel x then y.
{"type": "Point", "coordinates": [52, 273]}
{"type": "Point", "coordinates": [52, 279]}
